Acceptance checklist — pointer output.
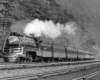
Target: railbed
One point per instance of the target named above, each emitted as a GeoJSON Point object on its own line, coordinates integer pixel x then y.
{"type": "Point", "coordinates": [38, 73]}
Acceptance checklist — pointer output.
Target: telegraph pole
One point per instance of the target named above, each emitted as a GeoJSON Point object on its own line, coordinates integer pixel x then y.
{"type": "Point", "coordinates": [3, 12]}
{"type": "Point", "coordinates": [4, 4]}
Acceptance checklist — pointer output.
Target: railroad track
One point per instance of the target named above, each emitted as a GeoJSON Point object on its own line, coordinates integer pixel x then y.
{"type": "Point", "coordinates": [39, 65]}
{"type": "Point", "coordinates": [51, 71]}
{"type": "Point", "coordinates": [89, 76]}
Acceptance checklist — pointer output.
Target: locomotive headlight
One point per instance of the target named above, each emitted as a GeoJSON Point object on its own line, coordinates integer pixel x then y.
{"type": "Point", "coordinates": [13, 39]}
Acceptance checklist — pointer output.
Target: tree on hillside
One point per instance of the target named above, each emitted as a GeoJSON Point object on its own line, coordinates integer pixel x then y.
{"type": "Point", "coordinates": [18, 10]}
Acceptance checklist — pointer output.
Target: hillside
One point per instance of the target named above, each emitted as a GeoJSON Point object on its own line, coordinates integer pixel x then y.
{"type": "Point", "coordinates": [87, 15]}
{"type": "Point", "coordinates": [20, 12]}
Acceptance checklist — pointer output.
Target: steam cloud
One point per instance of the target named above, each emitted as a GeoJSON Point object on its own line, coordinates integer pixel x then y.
{"type": "Point", "coordinates": [49, 29]}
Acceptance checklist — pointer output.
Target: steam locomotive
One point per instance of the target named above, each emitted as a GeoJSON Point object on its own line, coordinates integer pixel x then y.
{"type": "Point", "coordinates": [20, 48]}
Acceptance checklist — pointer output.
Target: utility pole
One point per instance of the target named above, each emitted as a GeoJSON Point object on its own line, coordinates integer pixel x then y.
{"type": "Point", "coordinates": [3, 12]}
{"type": "Point", "coordinates": [4, 4]}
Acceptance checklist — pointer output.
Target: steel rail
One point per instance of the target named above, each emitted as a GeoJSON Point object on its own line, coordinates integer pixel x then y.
{"type": "Point", "coordinates": [40, 75]}
{"type": "Point", "coordinates": [48, 63]}
{"type": "Point", "coordinates": [24, 66]}
{"type": "Point", "coordinates": [88, 76]}
{"type": "Point", "coordinates": [53, 73]}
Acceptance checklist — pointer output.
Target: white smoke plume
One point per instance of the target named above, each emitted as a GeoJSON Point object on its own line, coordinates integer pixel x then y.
{"type": "Point", "coordinates": [70, 28]}
{"type": "Point", "coordinates": [49, 29]}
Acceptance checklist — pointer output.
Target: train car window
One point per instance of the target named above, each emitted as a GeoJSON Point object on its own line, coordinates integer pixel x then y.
{"type": "Point", "coordinates": [71, 52]}
{"type": "Point", "coordinates": [59, 50]}
{"type": "Point", "coordinates": [83, 52]}
{"type": "Point", "coordinates": [59, 47]}
{"type": "Point", "coordinates": [71, 49]}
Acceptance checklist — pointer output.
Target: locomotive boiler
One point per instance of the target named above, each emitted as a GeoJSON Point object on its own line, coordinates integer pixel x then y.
{"type": "Point", "coordinates": [20, 48]}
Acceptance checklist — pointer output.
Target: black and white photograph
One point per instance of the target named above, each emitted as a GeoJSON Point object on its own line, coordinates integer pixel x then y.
{"type": "Point", "coordinates": [49, 39]}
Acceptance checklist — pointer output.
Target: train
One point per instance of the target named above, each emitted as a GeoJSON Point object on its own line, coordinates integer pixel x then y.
{"type": "Point", "coordinates": [21, 48]}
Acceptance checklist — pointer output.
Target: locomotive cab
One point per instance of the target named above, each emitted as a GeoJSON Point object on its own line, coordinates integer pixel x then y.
{"type": "Point", "coordinates": [18, 47]}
